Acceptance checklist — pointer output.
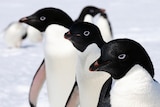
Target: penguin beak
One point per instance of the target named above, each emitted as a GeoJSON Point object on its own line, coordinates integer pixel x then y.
{"type": "Point", "coordinates": [24, 19]}
{"type": "Point", "coordinates": [94, 66]}
{"type": "Point", "coordinates": [67, 35]}
{"type": "Point", "coordinates": [102, 11]}
{"type": "Point", "coordinates": [99, 65]}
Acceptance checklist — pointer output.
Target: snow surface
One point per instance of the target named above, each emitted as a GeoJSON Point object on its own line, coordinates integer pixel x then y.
{"type": "Point", "coordinates": [138, 20]}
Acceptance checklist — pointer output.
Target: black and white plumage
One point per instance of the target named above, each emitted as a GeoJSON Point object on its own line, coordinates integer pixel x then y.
{"type": "Point", "coordinates": [91, 11]}
{"type": "Point", "coordinates": [132, 72]}
{"type": "Point", "coordinates": [87, 39]}
{"type": "Point", "coordinates": [104, 25]}
{"type": "Point", "coordinates": [60, 57]}
{"type": "Point", "coordinates": [88, 13]}
{"type": "Point", "coordinates": [14, 34]}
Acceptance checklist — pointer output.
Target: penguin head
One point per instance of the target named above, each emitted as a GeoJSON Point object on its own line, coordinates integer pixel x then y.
{"type": "Point", "coordinates": [42, 18]}
{"type": "Point", "coordinates": [82, 34]}
{"type": "Point", "coordinates": [89, 10]}
{"type": "Point", "coordinates": [119, 56]}
{"type": "Point", "coordinates": [92, 10]}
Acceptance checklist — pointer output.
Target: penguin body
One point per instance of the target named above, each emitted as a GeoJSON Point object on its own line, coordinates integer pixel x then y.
{"type": "Point", "coordinates": [132, 72]}
{"type": "Point", "coordinates": [59, 54]}
{"type": "Point", "coordinates": [88, 47]}
{"type": "Point", "coordinates": [14, 34]}
{"type": "Point", "coordinates": [60, 65]}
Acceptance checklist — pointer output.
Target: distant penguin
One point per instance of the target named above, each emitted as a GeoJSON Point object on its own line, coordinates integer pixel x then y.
{"type": "Point", "coordinates": [88, 13]}
{"type": "Point", "coordinates": [34, 35]}
{"type": "Point", "coordinates": [86, 38]}
{"type": "Point", "coordinates": [60, 56]}
{"type": "Point", "coordinates": [104, 25]}
{"type": "Point", "coordinates": [14, 34]}
{"type": "Point", "coordinates": [132, 72]}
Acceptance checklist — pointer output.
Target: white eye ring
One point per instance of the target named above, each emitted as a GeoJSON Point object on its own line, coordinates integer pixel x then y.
{"type": "Point", "coordinates": [86, 33]}
{"type": "Point", "coordinates": [42, 18]}
{"type": "Point", "coordinates": [122, 56]}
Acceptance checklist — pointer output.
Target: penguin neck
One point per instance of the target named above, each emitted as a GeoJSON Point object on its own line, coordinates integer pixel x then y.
{"type": "Point", "coordinates": [100, 43]}
{"type": "Point", "coordinates": [88, 56]}
{"type": "Point", "coordinates": [137, 76]}
{"type": "Point", "coordinates": [66, 23]}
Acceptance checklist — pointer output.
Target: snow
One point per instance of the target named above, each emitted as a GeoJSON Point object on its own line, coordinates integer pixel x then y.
{"type": "Point", "coordinates": [138, 20]}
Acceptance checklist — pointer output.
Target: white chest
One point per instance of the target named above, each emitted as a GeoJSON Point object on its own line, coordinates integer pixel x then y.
{"type": "Point", "coordinates": [136, 89]}
{"type": "Point", "coordinates": [90, 83]}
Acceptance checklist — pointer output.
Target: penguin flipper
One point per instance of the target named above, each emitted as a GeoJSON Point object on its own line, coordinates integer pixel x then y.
{"type": "Point", "coordinates": [73, 100]}
{"type": "Point", "coordinates": [37, 84]}
{"type": "Point", "coordinates": [104, 99]}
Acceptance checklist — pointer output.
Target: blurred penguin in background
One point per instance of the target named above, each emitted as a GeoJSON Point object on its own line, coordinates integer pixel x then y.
{"type": "Point", "coordinates": [34, 35]}
{"type": "Point", "coordinates": [14, 34]}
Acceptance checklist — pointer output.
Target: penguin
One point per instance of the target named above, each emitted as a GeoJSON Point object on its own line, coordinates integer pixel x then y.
{"type": "Point", "coordinates": [60, 57]}
{"type": "Point", "coordinates": [88, 13]}
{"type": "Point", "coordinates": [14, 35]}
{"type": "Point", "coordinates": [91, 10]}
{"type": "Point", "coordinates": [132, 73]}
{"type": "Point", "coordinates": [86, 38]}
{"type": "Point", "coordinates": [34, 35]}
{"type": "Point", "coordinates": [105, 27]}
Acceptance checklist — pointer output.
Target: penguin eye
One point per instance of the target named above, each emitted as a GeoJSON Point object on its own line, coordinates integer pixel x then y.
{"type": "Point", "coordinates": [42, 18]}
{"type": "Point", "coordinates": [86, 33]}
{"type": "Point", "coordinates": [122, 56]}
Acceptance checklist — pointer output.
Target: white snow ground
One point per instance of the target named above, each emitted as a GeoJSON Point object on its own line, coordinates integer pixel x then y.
{"type": "Point", "coordinates": [138, 20]}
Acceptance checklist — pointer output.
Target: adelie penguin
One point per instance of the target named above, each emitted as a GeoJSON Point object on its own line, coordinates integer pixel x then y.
{"type": "Point", "coordinates": [86, 38]}
{"type": "Point", "coordinates": [132, 71]}
{"type": "Point", "coordinates": [60, 57]}
{"type": "Point", "coordinates": [37, 24]}
{"type": "Point", "coordinates": [14, 34]}
{"type": "Point", "coordinates": [88, 14]}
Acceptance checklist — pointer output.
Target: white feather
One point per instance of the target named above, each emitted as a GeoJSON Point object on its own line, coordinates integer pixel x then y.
{"type": "Point", "coordinates": [60, 60]}
{"type": "Point", "coordinates": [88, 18]}
{"type": "Point", "coordinates": [135, 89]}
{"type": "Point", "coordinates": [104, 28]}
{"type": "Point", "coordinates": [89, 83]}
